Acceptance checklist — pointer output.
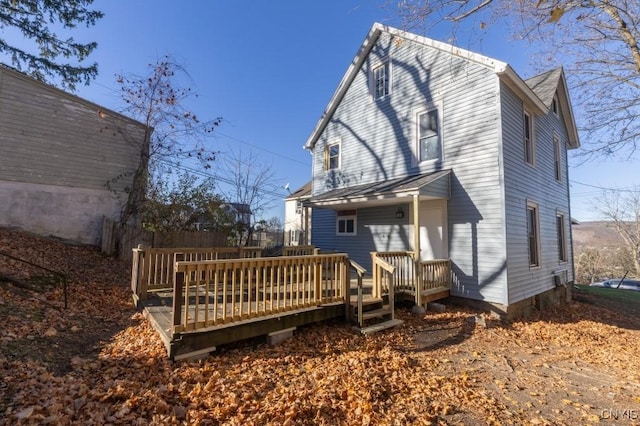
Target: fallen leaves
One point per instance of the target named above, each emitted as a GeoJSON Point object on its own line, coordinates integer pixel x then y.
{"type": "Point", "coordinates": [100, 362]}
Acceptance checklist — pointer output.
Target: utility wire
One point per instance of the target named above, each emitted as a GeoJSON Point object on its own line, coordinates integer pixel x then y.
{"type": "Point", "coordinates": [607, 189]}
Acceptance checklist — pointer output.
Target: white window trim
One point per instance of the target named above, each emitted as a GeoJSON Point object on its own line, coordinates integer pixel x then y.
{"type": "Point", "coordinates": [416, 132]}
{"type": "Point", "coordinates": [557, 158]}
{"type": "Point", "coordinates": [565, 251]}
{"type": "Point", "coordinates": [536, 207]}
{"type": "Point", "coordinates": [532, 135]}
{"type": "Point", "coordinates": [347, 217]}
{"type": "Point", "coordinates": [327, 153]}
{"type": "Point", "coordinates": [372, 81]}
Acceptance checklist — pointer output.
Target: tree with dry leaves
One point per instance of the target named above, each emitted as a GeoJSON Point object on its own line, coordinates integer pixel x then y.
{"type": "Point", "coordinates": [596, 40]}
{"type": "Point", "coordinates": [173, 134]}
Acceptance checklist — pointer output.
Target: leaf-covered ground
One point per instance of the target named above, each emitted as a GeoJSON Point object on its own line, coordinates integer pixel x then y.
{"type": "Point", "coordinates": [99, 362]}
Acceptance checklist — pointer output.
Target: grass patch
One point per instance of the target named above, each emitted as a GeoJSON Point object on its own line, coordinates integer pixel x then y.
{"type": "Point", "coordinates": [627, 297]}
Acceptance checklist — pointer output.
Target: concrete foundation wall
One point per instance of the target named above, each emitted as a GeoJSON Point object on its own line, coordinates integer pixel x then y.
{"type": "Point", "coordinates": [73, 214]}
{"type": "Point", "coordinates": [523, 309]}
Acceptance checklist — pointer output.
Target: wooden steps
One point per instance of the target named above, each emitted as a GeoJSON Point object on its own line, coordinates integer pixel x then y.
{"type": "Point", "coordinates": [380, 326]}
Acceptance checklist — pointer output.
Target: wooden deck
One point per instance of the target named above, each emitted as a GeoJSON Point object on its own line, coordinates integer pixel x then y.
{"type": "Point", "coordinates": [197, 301]}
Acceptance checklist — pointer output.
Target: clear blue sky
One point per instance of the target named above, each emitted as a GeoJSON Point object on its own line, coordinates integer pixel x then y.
{"type": "Point", "coordinates": [270, 67]}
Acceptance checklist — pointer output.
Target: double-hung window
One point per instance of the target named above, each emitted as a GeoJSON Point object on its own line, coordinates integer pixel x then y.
{"type": "Point", "coordinates": [533, 234]}
{"type": "Point", "coordinates": [529, 143]}
{"type": "Point", "coordinates": [332, 156]}
{"type": "Point", "coordinates": [381, 80]}
{"type": "Point", "coordinates": [346, 222]}
{"type": "Point", "coordinates": [428, 135]}
{"type": "Point", "coordinates": [562, 237]}
{"type": "Point", "coordinates": [557, 158]}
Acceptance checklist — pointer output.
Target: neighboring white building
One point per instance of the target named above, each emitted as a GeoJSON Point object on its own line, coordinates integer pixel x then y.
{"type": "Point", "coordinates": [297, 218]}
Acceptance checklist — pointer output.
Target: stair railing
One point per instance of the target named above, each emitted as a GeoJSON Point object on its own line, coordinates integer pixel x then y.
{"type": "Point", "coordinates": [360, 271]}
{"type": "Point", "coordinates": [383, 278]}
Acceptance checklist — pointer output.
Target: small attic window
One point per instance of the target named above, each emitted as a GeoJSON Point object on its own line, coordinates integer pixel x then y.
{"type": "Point", "coordinates": [554, 105]}
{"type": "Point", "coordinates": [380, 80]}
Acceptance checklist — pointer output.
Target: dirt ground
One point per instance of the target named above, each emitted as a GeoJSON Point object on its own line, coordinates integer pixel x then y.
{"type": "Point", "coordinates": [99, 362]}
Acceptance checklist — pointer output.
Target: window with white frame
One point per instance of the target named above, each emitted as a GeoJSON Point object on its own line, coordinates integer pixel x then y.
{"type": "Point", "coordinates": [533, 234]}
{"type": "Point", "coordinates": [557, 158]}
{"type": "Point", "coordinates": [332, 156]}
{"type": "Point", "coordinates": [562, 237]}
{"type": "Point", "coordinates": [529, 144]}
{"type": "Point", "coordinates": [294, 236]}
{"type": "Point", "coordinates": [346, 222]}
{"type": "Point", "coordinates": [298, 206]}
{"type": "Point", "coordinates": [381, 80]}
{"type": "Point", "coordinates": [428, 135]}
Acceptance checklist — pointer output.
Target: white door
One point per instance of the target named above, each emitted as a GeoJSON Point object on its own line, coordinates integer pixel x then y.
{"type": "Point", "coordinates": [433, 230]}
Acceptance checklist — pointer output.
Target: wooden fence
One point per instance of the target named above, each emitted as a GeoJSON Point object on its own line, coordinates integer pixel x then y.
{"type": "Point", "coordinates": [208, 293]}
{"type": "Point", "coordinates": [119, 241]}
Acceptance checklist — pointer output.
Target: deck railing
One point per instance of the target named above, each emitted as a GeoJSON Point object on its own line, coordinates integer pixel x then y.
{"type": "Point", "coordinates": [434, 274]}
{"type": "Point", "coordinates": [299, 250]}
{"type": "Point", "coordinates": [213, 292]}
{"type": "Point", "coordinates": [153, 268]}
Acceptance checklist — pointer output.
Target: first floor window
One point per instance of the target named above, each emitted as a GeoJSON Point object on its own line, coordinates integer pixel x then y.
{"type": "Point", "coordinates": [346, 222]}
{"type": "Point", "coordinates": [562, 238]}
{"type": "Point", "coordinates": [533, 234]}
{"type": "Point", "coordinates": [294, 236]}
{"type": "Point", "coordinates": [428, 135]}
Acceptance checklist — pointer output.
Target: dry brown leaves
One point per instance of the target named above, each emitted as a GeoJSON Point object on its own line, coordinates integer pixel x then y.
{"type": "Point", "coordinates": [99, 362]}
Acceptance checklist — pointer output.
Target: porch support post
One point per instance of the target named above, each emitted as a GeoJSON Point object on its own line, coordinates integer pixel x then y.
{"type": "Point", "coordinates": [416, 246]}
{"type": "Point", "coordinates": [307, 237]}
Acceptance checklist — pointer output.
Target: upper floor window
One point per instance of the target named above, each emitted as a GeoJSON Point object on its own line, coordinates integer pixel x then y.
{"type": "Point", "coordinates": [533, 234]}
{"type": "Point", "coordinates": [557, 158]}
{"type": "Point", "coordinates": [346, 222]}
{"type": "Point", "coordinates": [554, 105]}
{"type": "Point", "coordinates": [529, 144]}
{"type": "Point", "coordinates": [332, 156]}
{"type": "Point", "coordinates": [562, 237]}
{"type": "Point", "coordinates": [428, 133]}
{"type": "Point", "coordinates": [380, 80]}
{"type": "Point", "coordinates": [298, 206]}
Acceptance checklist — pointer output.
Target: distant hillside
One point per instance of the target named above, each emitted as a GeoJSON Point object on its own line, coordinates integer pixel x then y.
{"type": "Point", "coordinates": [595, 234]}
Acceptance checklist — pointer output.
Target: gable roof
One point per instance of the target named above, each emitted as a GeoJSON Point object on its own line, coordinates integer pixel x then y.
{"type": "Point", "coordinates": [546, 85]}
{"type": "Point", "coordinates": [303, 191]}
{"type": "Point", "coordinates": [502, 70]}
{"type": "Point", "coordinates": [240, 208]}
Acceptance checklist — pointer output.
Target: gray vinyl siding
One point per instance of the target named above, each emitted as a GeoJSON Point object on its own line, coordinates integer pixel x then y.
{"type": "Point", "coordinates": [50, 137]}
{"type": "Point", "coordinates": [377, 230]}
{"type": "Point", "coordinates": [378, 142]}
{"type": "Point", "coordinates": [538, 185]}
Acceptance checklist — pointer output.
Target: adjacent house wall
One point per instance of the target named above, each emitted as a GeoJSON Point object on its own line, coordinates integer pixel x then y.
{"type": "Point", "coordinates": [57, 154]}
{"type": "Point", "coordinates": [536, 184]}
{"type": "Point", "coordinates": [378, 143]}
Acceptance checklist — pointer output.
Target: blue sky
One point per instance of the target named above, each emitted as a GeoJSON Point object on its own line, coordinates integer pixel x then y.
{"type": "Point", "coordinates": [270, 67]}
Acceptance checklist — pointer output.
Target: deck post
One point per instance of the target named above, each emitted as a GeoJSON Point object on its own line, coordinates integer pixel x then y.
{"type": "Point", "coordinates": [178, 282]}
{"type": "Point", "coordinates": [416, 246]}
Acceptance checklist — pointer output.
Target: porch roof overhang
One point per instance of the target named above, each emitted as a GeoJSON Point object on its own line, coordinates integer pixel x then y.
{"type": "Point", "coordinates": [428, 186]}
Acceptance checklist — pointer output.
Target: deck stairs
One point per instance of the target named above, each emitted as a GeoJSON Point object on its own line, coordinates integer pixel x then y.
{"type": "Point", "coordinates": [376, 315]}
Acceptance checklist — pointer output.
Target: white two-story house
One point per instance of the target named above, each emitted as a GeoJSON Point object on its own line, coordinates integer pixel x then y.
{"type": "Point", "coordinates": [448, 154]}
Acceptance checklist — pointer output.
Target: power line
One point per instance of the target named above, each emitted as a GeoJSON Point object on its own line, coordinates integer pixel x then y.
{"type": "Point", "coordinates": [631, 189]}
{"type": "Point", "coordinates": [261, 148]}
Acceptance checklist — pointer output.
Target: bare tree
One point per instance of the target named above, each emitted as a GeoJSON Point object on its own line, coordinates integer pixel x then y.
{"type": "Point", "coordinates": [596, 40]}
{"type": "Point", "coordinates": [250, 182]}
{"type": "Point", "coordinates": [622, 209]}
{"type": "Point", "coordinates": [173, 132]}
